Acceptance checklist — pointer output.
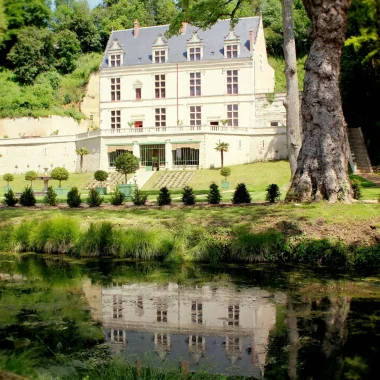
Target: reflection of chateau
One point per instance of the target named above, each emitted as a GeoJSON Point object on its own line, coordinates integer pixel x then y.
{"type": "Point", "coordinates": [217, 326]}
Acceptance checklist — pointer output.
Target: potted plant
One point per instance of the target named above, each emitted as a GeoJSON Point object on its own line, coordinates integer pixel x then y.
{"type": "Point", "coordinates": [8, 177]}
{"type": "Point", "coordinates": [225, 172]}
{"type": "Point", "coordinates": [126, 164]}
{"type": "Point", "coordinates": [60, 174]}
{"type": "Point", "coordinates": [224, 122]}
{"type": "Point", "coordinates": [101, 176]}
{"type": "Point", "coordinates": [155, 163]}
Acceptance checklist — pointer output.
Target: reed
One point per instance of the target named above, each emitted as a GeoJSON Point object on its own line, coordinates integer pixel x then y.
{"type": "Point", "coordinates": [98, 240]}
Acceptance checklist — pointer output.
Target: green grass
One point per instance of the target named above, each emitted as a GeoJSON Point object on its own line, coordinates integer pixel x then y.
{"type": "Point", "coordinates": [369, 189]}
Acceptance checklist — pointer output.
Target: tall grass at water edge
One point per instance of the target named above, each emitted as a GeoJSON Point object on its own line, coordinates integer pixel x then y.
{"type": "Point", "coordinates": [184, 242]}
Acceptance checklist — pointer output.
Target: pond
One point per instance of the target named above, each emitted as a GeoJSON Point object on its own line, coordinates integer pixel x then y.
{"type": "Point", "coordinates": [59, 317]}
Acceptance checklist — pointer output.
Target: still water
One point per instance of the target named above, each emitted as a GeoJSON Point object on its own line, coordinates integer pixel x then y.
{"type": "Point", "coordinates": [253, 321]}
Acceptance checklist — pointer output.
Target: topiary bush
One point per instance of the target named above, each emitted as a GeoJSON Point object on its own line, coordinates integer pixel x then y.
{"type": "Point", "coordinates": [8, 177]}
{"type": "Point", "coordinates": [27, 197]}
{"type": "Point", "coordinates": [164, 198]}
{"type": "Point", "coordinates": [101, 176]}
{"type": "Point", "coordinates": [94, 199]}
{"type": "Point", "coordinates": [50, 199]}
{"type": "Point", "coordinates": [273, 193]}
{"type": "Point", "coordinates": [60, 174]}
{"type": "Point", "coordinates": [356, 189]}
{"type": "Point", "coordinates": [126, 164]}
{"type": "Point", "coordinates": [225, 172]}
{"type": "Point", "coordinates": [213, 196]}
{"type": "Point", "coordinates": [73, 197]}
{"type": "Point", "coordinates": [117, 198]}
{"type": "Point", "coordinates": [241, 194]}
{"type": "Point", "coordinates": [188, 197]}
{"type": "Point", "coordinates": [10, 198]}
{"type": "Point", "coordinates": [139, 198]}
{"type": "Point", "coordinates": [30, 176]}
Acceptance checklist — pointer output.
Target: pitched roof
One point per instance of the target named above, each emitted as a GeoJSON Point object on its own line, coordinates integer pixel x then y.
{"type": "Point", "coordinates": [138, 51]}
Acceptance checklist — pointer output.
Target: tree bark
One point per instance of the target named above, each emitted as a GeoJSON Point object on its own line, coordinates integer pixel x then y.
{"type": "Point", "coordinates": [291, 103]}
{"type": "Point", "coordinates": [221, 157]}
{"type": "Point", "coordinates": [81, 163]}
{"type": "Point", "coordinates": [323, 160]}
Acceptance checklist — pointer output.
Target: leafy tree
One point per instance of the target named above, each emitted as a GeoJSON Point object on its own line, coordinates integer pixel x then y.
{"type": "Point", "coordinates": [117, 198]}
{"type": "Point", "coordinates": [126, 164]}
{"type": "Point", "coordinates": [101, 176]}
{"type": "Point", "coordinates": [188, 197]}
{"type": "Point", "coordinates": [27, 197]}
{"type": "Point", "coordinates": [213, 196]}
{"type": "Point", "coordinates": [31, 176]}
{"type": "Point", "coordinates": [94, 199]}
{"type": "Point", "coordinates": [273, 193]}
{"type": "Point", "coordinates": [32, 54]}
{"type": "Point", "coordinates": [164, 197]}
{"type": "Point", "coordinates": [222, 147]}
{"type": "Point", "coordinates": [73, 197]}
{"type": "Point", "coordinates": [241, 194]}
{"type": "Point", "coordinates": [10, 199]}
{"type": "Point", "coordinates": [82, 152]}
{"type": "Point", "coordinates": [50, 199]}
{"type": "Point", "coordinates": [139, 198]}
{"type": "Point", "coordinates": [67, 50]}
{"type": "Point", "coordinates": [3, 22]}
{"type": "Point", "coordinates": [8, 177]}
{"type": "Point", "coordinates": [60, 174]}
{"type": "Point", "coordinates": [225, 172]}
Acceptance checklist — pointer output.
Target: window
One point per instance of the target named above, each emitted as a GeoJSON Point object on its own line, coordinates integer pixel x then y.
{"type": "Point", "coordinates": [274, 123]}
{"type": "Point", "coordinates": [195, 84]}
{"type": "Point", "coordinates": [233, 315]}
{"type": "Point", "coordinates": [115, 89]}
{"type": "Point", "coordinates": [195, 54]}
{"type": "Point", "coordinates": [232, 82]}
{"type": "Point", "coordinates": [162, 311]}
{"type": "Point", "coordinates": [117, 336]}
{"type": "Point", "coordinates": [115, 60]}
{"type": "Point", "coordinates": [160, 118]}
{"type": "Point", "coordinates": [117, 306]}
{"type": "Point", "coordinates": [232, 51]}
{"type": "Point", "coordinates": [138, 93]}
{"type": "Point", "coordinates": [159, 56]}
{"type": "Point", "coordinates": [233, 115]}
{"type": "Point", "coordinates": [138, 124]}
{"type": "Point", "coordinates": [195, 117]}
{"type": "Point", "coordinates": [183, 155]}
{"type": "Point", "coordinates": [196, 312]}
{"type": "Point", "coordinates": [159, 85]}
{"type": "Point", "coordinates": [115, 119]}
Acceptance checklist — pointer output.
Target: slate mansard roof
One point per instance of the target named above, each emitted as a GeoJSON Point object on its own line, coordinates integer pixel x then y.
{"type": "Point", "coordinates": [212, 39]}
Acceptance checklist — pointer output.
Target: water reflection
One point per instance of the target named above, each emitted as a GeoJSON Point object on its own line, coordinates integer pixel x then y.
{"type": "Point", "coordinates": [221, 327]}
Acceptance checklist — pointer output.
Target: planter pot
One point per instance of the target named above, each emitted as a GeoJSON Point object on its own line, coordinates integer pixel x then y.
{"type": "Point", "coordinates": [61, 192]}
{"type": "Point", "coordinates": [7, 188]}
{"type": "Point", "coordinates": [149, 168]}
{"type": "Point", "coordinates": [127, 190]}
{"type": "Point", "coordinates": [101, 190]}
{"type": "Point", "coordinates": [225, 185]}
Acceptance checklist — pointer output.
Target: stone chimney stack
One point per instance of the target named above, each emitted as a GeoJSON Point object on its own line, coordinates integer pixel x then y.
{"type": "Point", "coordinates": [136, 28]}
{"type": "Point", "coordinates": [251, 39]}
{"type": "Point", "coordinates": [183, 28]}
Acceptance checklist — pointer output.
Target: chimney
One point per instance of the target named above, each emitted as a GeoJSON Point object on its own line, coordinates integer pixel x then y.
{"type": "Point", "coordinates": [136, 28]}
{"type": "Point", "coordinates": [251, 39]}
{"type": "Point", "coordinates": [183, 28]}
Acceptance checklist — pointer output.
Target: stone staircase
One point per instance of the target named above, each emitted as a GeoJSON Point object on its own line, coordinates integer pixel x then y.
{"type": "Point", "coordinates": [174, 180]}
{"type": "Point", "coordinates": [359, 150]}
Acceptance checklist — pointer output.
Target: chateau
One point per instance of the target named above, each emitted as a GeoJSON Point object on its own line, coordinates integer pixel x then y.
{"type": "Point", "coordinates": [170, 101]}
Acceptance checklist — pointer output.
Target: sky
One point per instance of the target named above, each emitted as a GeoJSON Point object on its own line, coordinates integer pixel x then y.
{"type": "Point", "coordinates": [93, 3]}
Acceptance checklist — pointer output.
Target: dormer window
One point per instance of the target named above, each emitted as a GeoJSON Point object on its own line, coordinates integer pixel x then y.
{"type": "Point", "coordinates": [231, 45]}
{"type": "Point", "coordinates": [115, 54]}
{"type": "Point", "coordinates": [194, 48]}
{"type": "Point", "coordinates": [160, 50]}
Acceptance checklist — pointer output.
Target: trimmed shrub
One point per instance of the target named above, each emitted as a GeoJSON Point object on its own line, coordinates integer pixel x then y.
{"type": "Point", "coordinates": [213, 196]}
{"type": "Point", "coordinates": [101, 176]}
{"type": "Point", "coordinates": [60, 174]}
{"type": "Point", "coordinates": [73, 197]}
{"type": "Point", "coordinates": [27, 197]}
{"type": "Point", "coordinates": [50, 199]}
{"type": "Point", "coordinates": [8, 177]}
{"type": "Point", "coordinates": [10, 198]}
{"type": "Point", "coordinates": [273, 193]}
{"type": "Point", "coordinates": [126, 164]}
{"type": "Point", "coordinates": [188, 197]}
{"type": "Point", "coordinates": [94, 199]}
{"type": "Point", "coordinates": [225, 172]}
{"type": "Point", "coordinates": [117, 198]}
{"type": "Point", "coordinates": [31, 176]}
{"type": "Point", "coordinates": [164, 198]}
{"type": "Point", "coordinates": [356, 189]}
{"type": "Point", "coordinates": [241, 194]}
{"type": "Point", "coordinates": [139, 198]}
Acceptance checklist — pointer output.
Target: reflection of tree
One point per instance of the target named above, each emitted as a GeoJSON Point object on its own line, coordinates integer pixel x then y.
{"type": "Point", "coordinates": [293, 337]}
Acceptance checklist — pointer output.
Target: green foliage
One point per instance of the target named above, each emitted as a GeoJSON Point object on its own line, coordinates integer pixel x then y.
{"type": "Point", "coordinates": [241, 194]}
{"type": "Point", "coordinates": [126, 164]}
{"type": "Point", "coordinates": [213, 196]}
{"type": "Point", "coordinates": [117, 198]}
{"type": "Point", "coordinates": [50, 199]}
{"type": "Point", "coordinates": [94, 199]}
{"type": "Point", "coordinates": [101, 175]}
{"type": "Point", "coordinates": [273, 193]}
{"type": "Point", "coordinates": [139, 198]}
{"type": "Point", "coordinates": [31, 176]}
{"type": "Point", "coordinates": [60, 174]}
{"type": "Point", "coordinates": [357, 189]}
{"type": "Point", "coordinates": [225, 172]}
{"type": "Point", "coordinates": [27, 197]}
{"type": "Point", "coordinates": [97, 240]}
{"type": "Point", "coordinates": [8, 177]}
{"type": "Point", "coordinates": [73, 197]}
{"type": "Point", "coordinates": [10, 198]}
{"type": "Point", "coordinates": [164, 198]}
{"type": "Point", "coordinates": [67, 50]}
{"type": "Point", "coordinates": [188, 197]}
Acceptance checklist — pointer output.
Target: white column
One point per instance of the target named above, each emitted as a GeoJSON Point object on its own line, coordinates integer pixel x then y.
{"type": "Point", "coordinates": [136, 149]}
{"type": "Point", "coordinates": [168, 155]}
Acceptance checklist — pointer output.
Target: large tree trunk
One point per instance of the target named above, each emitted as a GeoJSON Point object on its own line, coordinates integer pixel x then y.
{"type": "Point", "coordinates": [291, 103]}
{"type": "Point", "coordinates": [323, 159]}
